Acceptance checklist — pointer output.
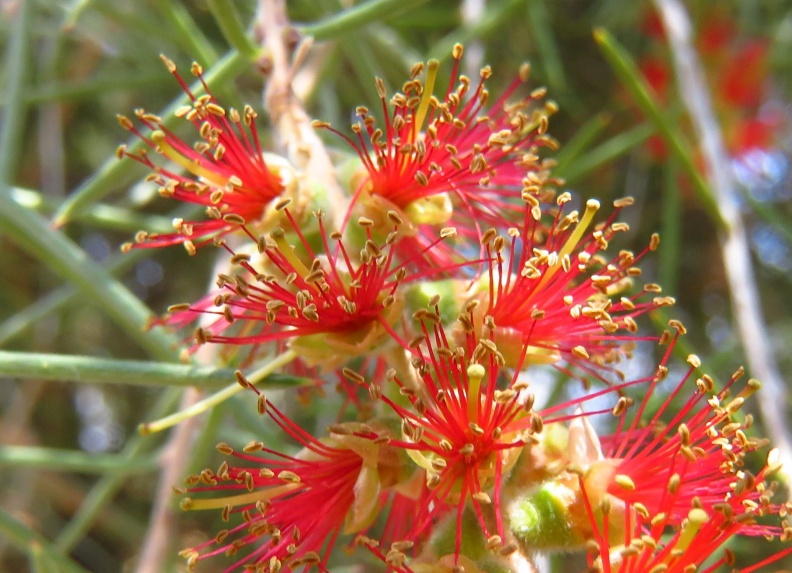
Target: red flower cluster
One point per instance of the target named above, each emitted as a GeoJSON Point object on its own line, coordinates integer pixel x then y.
{"type": "Point", "coordinates": [230, 174]}
{"type": "Point", "coordinates": [555, 293]}
{"type": "Point", "coordinates": [292, 505]}
{"type": "Point", "coordinates": [329, 304]}
{"type": "Point", "coordinates": [458, 273]}
{"type": "Point", "coordinates": [671, 494]}
{"type": "Point", "coordinates": [458, 159]}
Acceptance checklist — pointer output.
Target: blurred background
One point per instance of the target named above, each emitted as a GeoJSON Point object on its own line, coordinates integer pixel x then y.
{"type": "Point", "coordinates": [75, 478]}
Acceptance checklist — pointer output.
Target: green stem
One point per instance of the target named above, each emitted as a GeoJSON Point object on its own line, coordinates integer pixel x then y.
{"type": "Point", "coordinates": [113, 171]}
{"type": "Point", "coordinates": [15, 110]}
{"type": "Point", "coordinates": [39, 562]}
{"type": "Point", "coordinates": [115, 218]}
{"type": "Point", "coordinates": [54, 301]}
{"type": "Point", "coordinates": [492, 20]}
{"type": "Point", "coordinates": [189, 35]}
{"type": "Point", "coordinates": [102, 216]}
{"type": "Point", "coordinates": [626, 69]}
{"type": "Point", "coordinates": [65, 258]}
{"type": "Point", "coordinates": [217, 398]}
{"type": "Point", "coordinates": [606, 151]}
{"type": "Point", "coordinates": [74, 460]}
{"type": "Point", "coordinates": [583, 137]}
{"type": "Point", "coordinates": [230, 24]}
{"type": "Point", "coordinates": [27, 540]}
{"type": "Point", "coordinates": [91, 370]}
{"type": "Point", "coordinates": [347, 21]}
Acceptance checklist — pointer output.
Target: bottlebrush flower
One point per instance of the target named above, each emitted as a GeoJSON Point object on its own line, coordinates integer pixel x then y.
{"type": "Point", "coordinates": [454, 161]}
{"type": "Point", "coordinates": [691, 546]}
{"type": "Point", "coordinates": [327, 303]}
{"type": "Point", "coordinates": [622, 494]}
{"type": "Point", "coordinates": [463, 428]}
{"type": "Point", "coordinates": [640, 538]}
{"type": "Point", "coordinates": [686, 475]}
{"type": "Point", "coordinates": [293, 508]}
{"type": "Point", "coordinates": [695, 460]}
{"type": "Point", "coordinates": [551, 289]}
{"type": "Point", "coordinates": [230, 175]}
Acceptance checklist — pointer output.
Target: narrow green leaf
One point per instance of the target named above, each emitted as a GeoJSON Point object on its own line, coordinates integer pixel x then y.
{"type": "Point", "coordinates": [25, 540]}
{"type": "Point", "coordinates": [230, 24]}
{"type": "Point", "coordinates": [65, 258]}
{"type": "Point", "coordinates": [625, 68]}
{"type": "Point", "coordinates": [89, 369]}
{"type": "Point", "coordinates": [14, 116]}
{"type": "Point", "coordinates": [579, 143]}
{"type": "Point", "coordinates": [99, 215]}
{"type": "Point", "coordinates": [39, 561]}
{"type": "Point", "coordinates": [67, 294]}
{"type": "Point", "coordinates": [92, 370]}
{"type": "Point", "coordinates": [349, 20]}
{"type": "Point", "coordinates": [74, 460]}
{"type": "Point", "coordinates": [605, 152]}
{"type": "Point", "coordinates": [186, 32]}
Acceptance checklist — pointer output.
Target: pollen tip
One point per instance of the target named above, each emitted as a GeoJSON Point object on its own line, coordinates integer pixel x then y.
{"type": "Point", "coordinates": [168, 63]}
{"type": "Point", "coordinates": [593, 205]}
{"type": "Point", "coordinates": [476, 371]}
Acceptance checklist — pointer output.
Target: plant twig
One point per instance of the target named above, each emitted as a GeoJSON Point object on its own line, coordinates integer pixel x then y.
{"type": "Point", "coordinates": [292, 124]}
{"type": "Point", "coordinates": [92, 370]}
{"type": "Point", "coordinates": [172, 461]}
{"type": "Point", "coordinates": [733, 241]}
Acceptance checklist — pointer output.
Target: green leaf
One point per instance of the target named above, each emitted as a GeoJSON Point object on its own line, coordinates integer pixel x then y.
{"type": "Point", "coordinates": [579, 143]}
{"type": "Point", "coordinates": [93, 370]}
{"type": "Point", "coordinates": [74, 460]}
{"type": "Point", "coordinates": [27, 540]}
{"type": "Point", "coordinates": [230, 24]}
{"type": "Point", "coordinates": [625, 68]}
{"type": "Point", "coordinates": [605, 152]}
{"type": "Point", "coordinates": [349, 20]}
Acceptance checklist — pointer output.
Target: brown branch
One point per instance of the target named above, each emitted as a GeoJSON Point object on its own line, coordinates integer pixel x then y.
{"type": "Point", "coordinates": [173, 461]}
{"type": "Point", "coordinates": [292, 124]}
{"type": "Point", "coordinates": [733, 240]}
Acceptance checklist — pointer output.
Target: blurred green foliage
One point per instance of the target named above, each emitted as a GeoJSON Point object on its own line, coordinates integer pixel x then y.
{"type": "Point", "coordinates": [87, 60]}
